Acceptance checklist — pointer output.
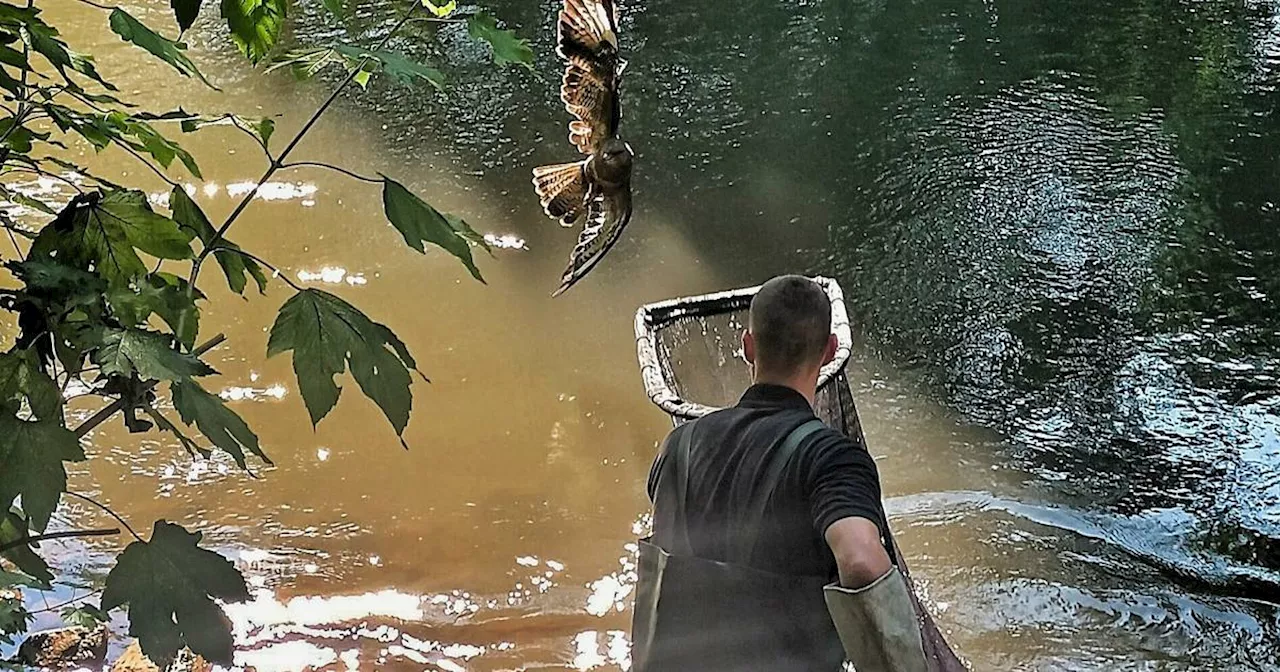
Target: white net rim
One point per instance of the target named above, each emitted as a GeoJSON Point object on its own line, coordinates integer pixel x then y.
{"type": "Point", "coordinates": [651, 318]}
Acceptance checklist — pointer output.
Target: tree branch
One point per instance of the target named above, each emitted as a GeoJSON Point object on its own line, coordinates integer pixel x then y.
{"type": "Point", "coordinates": [91, 3]}
{"type": "Point", "coordinates": [13, 239]}
{"type": "Point", "coordinates": [146, 163]}
{"type": "Point", "coordinates": [340, 169]}
{"type": "Point", "coordinates": [167, 425]}
{"type": "Point", "coordinates": [69, 602]}
{"type": "Point", "coordinates": [436, 19]}
{"type": "Point", "coordinates": [108, 511]}
{"type": "Point", "coordinates": [117, 405]}
{"type": "Point", "coordinates": [45, 173]}
{"type": "Point", "coordinates": [275, 165]}
{"type": "Point", "coordinates": [29, 540]}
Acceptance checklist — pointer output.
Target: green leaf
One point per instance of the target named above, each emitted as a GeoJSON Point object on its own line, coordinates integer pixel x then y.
{"type": "Point", "coordinates": [151, 141]}
{"type": "Point", "coordinates": [326, 334]}
{"type": "Point", "coordinates": [14, 616]}
{"type": "Point", "coordinates": [335, 8]}
{"type": "Point", "coordinates": [104, 233]}
{"type": "Point", "coordinates": [420, 223]}
{"type": "Point", "coordinates": [170, 584]}
{"type": "Point", "coordinates": [174, 53]}
{"type": "Point", "coordinates": [59, 283]}
{"type": "Point", "coordinates": [163, 294]}
{"type": "Point", "coordinates": [441, 11]}
{"type": "Point", "coordinates": [24, 200]}
{"type": "Point", "coordinates": [85, 616]}
{"type": "Point", "coordinates": [13, 58]}
{"type": "Point", "coordinates": [208, 413]}
{"type": "Point", "coordinates": [397, 66]}
{"type": "Point", "coordinates": [265, 128]}
{"type": "Point", "coordinates": [306, 63]}
{"type": "Point", "coordinates": [21, 377]}
{"type": "Point", "coordinates": [255, 25]}
{"type": "Point", "coordinates": [12, 528]}
{"type": "Point", "coordinates": [14, 580]}
{"type": "Point", "coordinates": [91, 127]}
{"type": "Point", "coordinates": [163, 422]}
{"type": "Point", "coordinates": [507, 47]}
{"type": "Point", "coordinates": [149, 354]}
{"type": "Point", "coordinates": [43, 39]}
{"type": "Point", "coordinates": [19, 139]}
{"type": "Point", "coordinates": [234, 266]}
{"type": "Point", "coordinates": [31, 457]}
{"type": "Point", "coordinates": [471, 235]}
{"type": "Point", "coordinates": [185, 12]}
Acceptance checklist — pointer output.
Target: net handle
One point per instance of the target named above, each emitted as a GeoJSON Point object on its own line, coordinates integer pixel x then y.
{"type": "Point", "coordinates": [652, 317]}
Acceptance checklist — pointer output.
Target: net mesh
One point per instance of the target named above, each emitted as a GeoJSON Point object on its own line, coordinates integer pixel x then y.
{"type": "Point", "coordinates": [700, 357]}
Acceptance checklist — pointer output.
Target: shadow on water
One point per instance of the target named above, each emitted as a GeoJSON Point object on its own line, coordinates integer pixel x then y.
{"type": "Point", "coordinates": [1065, 218]}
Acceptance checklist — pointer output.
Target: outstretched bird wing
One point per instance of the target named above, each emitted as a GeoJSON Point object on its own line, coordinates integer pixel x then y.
{"type": "Point", "coordinates": [607, 216]}
{"type": "Point", "coordinates": [588, 41]}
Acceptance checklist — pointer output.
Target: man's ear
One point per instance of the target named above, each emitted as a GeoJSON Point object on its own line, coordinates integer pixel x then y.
{"type": "Point", "coordinates": [829, 354]}
{"type": "Point", "coordinates": [749, 347]}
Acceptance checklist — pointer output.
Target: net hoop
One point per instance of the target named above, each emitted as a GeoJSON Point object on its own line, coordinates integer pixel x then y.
{"type": "Point", "coordinates": [651, 318]}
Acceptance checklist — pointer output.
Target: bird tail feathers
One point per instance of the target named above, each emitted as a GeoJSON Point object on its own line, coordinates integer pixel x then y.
{"type": "Point", "coordinates": [562, 188]}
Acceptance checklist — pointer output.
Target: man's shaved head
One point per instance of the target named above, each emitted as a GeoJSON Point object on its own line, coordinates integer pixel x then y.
{"type": "Point", "coordinates": [790, 323]}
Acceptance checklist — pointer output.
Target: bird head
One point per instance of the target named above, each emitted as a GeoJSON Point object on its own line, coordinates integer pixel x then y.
{"type": "Point", "coordinates": [616, 153]}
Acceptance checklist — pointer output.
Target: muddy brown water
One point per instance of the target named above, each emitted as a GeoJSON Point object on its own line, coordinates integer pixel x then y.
{"type": "Point", "coordinates": [500, 539]}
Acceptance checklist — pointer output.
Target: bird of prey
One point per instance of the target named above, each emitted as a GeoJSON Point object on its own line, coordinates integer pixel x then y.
{"type": "Point", "coordinates": [597, 188]}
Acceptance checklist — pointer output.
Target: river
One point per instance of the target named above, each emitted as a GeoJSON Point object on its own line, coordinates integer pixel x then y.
{"type": "Point", "coordinates": [1055, 224]}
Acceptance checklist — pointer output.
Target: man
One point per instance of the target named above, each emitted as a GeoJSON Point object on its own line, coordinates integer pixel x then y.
{"type": "Point", "coordinates": [757, 507]}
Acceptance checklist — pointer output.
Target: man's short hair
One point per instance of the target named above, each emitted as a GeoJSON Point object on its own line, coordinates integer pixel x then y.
{"type": "Point", "coordinates": [790, 322]}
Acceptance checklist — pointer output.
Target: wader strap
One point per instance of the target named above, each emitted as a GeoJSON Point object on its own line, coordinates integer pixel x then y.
{"type": "Point", "coordinates": [680, 528]}
{"type": "Point", "coordinates": [773, 473]}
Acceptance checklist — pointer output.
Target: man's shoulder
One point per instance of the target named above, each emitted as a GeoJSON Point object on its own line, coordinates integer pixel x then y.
{"type": "Point", "coordinates": [828, 445]}
{"type": "Point", "coordinates": [827, 438]}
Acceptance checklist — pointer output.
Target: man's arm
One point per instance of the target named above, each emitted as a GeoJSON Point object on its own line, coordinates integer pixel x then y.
{"type": "Point", "coordinates": [845, 503]}
{"type": "Point", "coordinates": [860, 554]}
{"type": "Point", "coordinates": [872, 607]}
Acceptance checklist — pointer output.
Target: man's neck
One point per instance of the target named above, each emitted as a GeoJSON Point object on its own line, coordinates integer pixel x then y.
{"type": "Point", "coordinates": [805, 385]}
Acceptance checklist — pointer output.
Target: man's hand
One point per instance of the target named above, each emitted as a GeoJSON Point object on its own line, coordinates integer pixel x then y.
{"type": "Point", "coordinates": [860, 554]}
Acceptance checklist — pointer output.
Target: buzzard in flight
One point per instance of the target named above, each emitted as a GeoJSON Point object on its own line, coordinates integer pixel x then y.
{"type": "Point", "coordinates": [597, 188]}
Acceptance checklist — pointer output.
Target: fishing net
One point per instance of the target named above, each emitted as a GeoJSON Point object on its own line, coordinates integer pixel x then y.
{"type": "Point", "coordinates": [690, 354]}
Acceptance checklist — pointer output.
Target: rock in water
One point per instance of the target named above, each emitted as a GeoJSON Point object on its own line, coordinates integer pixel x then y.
{"type": "Point", "coordinates": [133, 660]}
{"type": "Point", "coordinates": [64, 647]}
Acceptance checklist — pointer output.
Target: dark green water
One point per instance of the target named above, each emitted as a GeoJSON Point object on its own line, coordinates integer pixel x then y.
{"type": "Point", "coordinates": [1061, 217]}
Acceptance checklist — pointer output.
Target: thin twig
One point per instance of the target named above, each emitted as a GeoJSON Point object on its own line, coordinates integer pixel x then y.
{"type": "Point", "coordinates": [146, 163]}
{"type": "Point", "coordinates": [109, 512]}
{"type": "Point", "coordinates": [91, 3]}
{"type": "Point", "coordinates": [165, 424]}
{"type": "Point", "coordinates": [275, 165]}
{"type": "Point", "coordinates": [35, 539]}
{"type": "Point", "coordinates": [115, 406]}
{"type": "Point", "coordinates": [45, 173]}
{"type": "Point", "coordinates": [13, 239]}
{"type": "Point", "coordinates": [69, 602]}
{"type": "Point", "coordinates": [436, 19]}
{"type": "Point", "coordinates": [280, 274]}
{"type": "Point", "coordinates": [340, 169]}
